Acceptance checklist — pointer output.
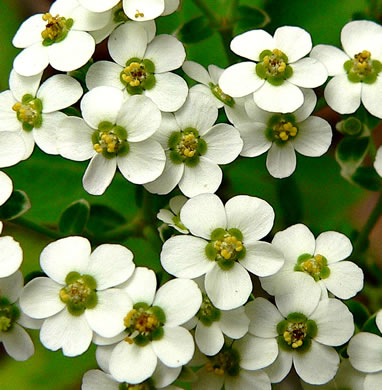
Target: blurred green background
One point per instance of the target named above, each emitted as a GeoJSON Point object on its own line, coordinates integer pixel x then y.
{"type": "Point", "coordinates": [327, 201]}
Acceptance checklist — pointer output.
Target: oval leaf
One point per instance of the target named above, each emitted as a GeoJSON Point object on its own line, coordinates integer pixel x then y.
{"type": "Point", "coordinates": [249, 18]}
{"type": "Point", "coordinates": [368, 178]}
{"type": "Point", "coordinates": [103, 219]}
{"type": "Point", "coordinates": [359, 311]}
{"type": "Point", "coordinates": [350, 152]}
{"type": "Point", "coordinates": [74, 218]}
{"type": "Point", "coordinates": [15, 206]}
{"type": "Point", "coordinates": [195, 30]}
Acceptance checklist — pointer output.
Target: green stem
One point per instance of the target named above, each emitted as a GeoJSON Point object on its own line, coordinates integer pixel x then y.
{"type": "Point", "coordinates": [37, 228]}
{"type": "Point", "coordinates": [202, 5]}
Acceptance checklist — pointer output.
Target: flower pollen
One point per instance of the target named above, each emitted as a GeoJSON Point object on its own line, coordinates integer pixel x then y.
{"type": "Point", "coordinates": [207, 313]}
{"type": "Point", "coordinates": [363, 68]}
{"type": "Point", "coordinates": [8, 314]}
{"type": "Point", "coordinates": [273, 67]}
{"type": "Point", "coordinates": [110, 140]}
{"type": "Point", "coordinates": [138, 75]}
{"type": "Point", "coordinates": [281, 128]}
{"type": "Point", "coordinates": [226, 362]}
{"type": "Point", "coordinates": [56, 29]}
{"type": "Point", "coordinates": [28, 112]}
{"type": "Point", "coordinates": [316, 266]}
{"type": "Point", "coordinates": [295, 334]}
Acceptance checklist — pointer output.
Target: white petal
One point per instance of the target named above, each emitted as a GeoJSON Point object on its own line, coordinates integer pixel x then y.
{"type": "Point", "coordinates": [203, 214]}
{"type": "Point", "coordinates": [21, 85]}
{"type": "Point", "coordinates": [282, 98]}
{"type": "Point", "coordinates": [164, 375]}
{"type": "Point", "coordinates": [310, 100]}
{"type": "Point", "coordinates": [141, 287]}
{"type": "Point", "coordinates": [215, 73]}
{"type": "Point", "coordinates": [252, 43]}
{"type": "Point", "coordinates": [255, 113]}
{"type": "Point", "coordinates": [110, 265]}
{"type": "Point", "coordinates": [378, 161]}
{"type": "Point", "coordinates": [205, 380]}
{"type": "Point", "coordinates": [202, 178]}
{"type": "Point", "coordinates": [127, 41]}
{"type": "Point", "coordinates": [180, 299]}
{"type": "Point", "coordinates": [209, 339]}
{"type": "Point", "coordinates": [342, 95]}
{"type": "Point", "coordinates": [223, 143]}
{"type": "Point", "coordinates": [364, 352]}
{"type": "Point", "coordinates": [29, 32]}
{"type": "Point", "coordinates": [308, 73]}
{"type": "Point", "coordinates": [295, 42]}
{"type": "Point", "coordinates": [240, 79]}
{"type": "Point", "coordinates": [140, 117]}
{"type": "Point", "coordinates": [196, 72]}
{"type": "Point", "coordinates": [150, 9]}
{"type": "Point", "coordinates": [8, 118]}
{"type": "Point", "coordinates": [234, 323]}
{"type": "Point", "coordinates": [175, 53]}
{"type": "Point", "coordinates": [281, 160]}
{"type": "Point", "coordinates": [73, 52]}
{"type": "Point", "coordinates": [70, 91]}
{"type": "Point", "coordinates": [170, 6]}
{"type": "Point", "coordinates": [264, 318]}
{"type": "Point", "coordinates": [378, 320]}
{"type": "Point", "coordinates": [184, 257]}
{"type": "Point", "coordinates": [175, 348]}
{"type": "Point", "coordinates": [314, 137]}
{"type": "Point", "coordinates": [252, 216]}
{"type": "Point", "coordinates": [176, 203]}
{"type": "Point", "coordinates": [17, 343]}
{"type": "Point", "coordinates": [318, 365]}
{"type": "Point", "coordinates": [40, 298]}
{"type": "Point", "coordinates": [29, 143]}
{"type": "Point", "coordinates": [12, 286]}
{"type": "Point", "coordinates": [228, 289]}
{"type": "Point", "coordinates": [144, 162]}
{"type": "Point", "coordinates": [254, 139]}
{"type": "Point", "coordinates": [104, 73]}
{"type": "Point", "coordinates": [65, 255]}
{"type": "Point", "coordinates": [11, 256]}
{"type": "Point", "coordinates": [107, 342]}
{"type": "Point", "coordinates": [28, 322]}
{"type": "Point", "coordinates": [99, 174]}
{"type": "Point", "coordinates": [13, 148]}
{"type": "Point", "coordinates": [167, 127]}
{"type": "Point", "coordinates": [101, 104]}
{"type": "Point", "coordinates": [334, 246]}
{"type": "Point", "coordinates": [94, 379]}
{"type": "Point", "coordinates": [255, 352]}
{"type": "Point", "coordinates": [280, 368]}
{"type": "Point", "coordinates": [106, 318]}
{"type": "Point", "coordinates": [71, 333]}
{"type": "Point", "coordinates": [373, 381]}
{"type": "Point", "coordinates": [332, 57]}
{"type": "Point", "coordinates": [98, 5]}
{"type": "Point", "coordinates": [32, 60]}
{"type": "Point", "coordinates": [372, 96]}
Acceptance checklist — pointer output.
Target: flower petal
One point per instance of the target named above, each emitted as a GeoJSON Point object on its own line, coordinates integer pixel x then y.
{"type": "Point", "coordinates": [310, 100]}
{"type": "Point", "coordinates": [280, 368]}
{"type": "Point", "coordinates": [29, 32]}
{"type": "Point", "coordinates": [332, 57]}
{"type": "Point", "coordinates": [136, 10]}
{"type": "Point", "coordinates": [378, 161]}
{"type": "Point", "coordinates": [371, 95]}
{"type": "Point", "coordinates": [234, 323]}
{"type": "Point", "coordinates": [308, 73]}
{"type": "Point", "coordinates": [99, 174]}
{"type": "Point", "coordinates": [13, 148]}
{"type": "Point", "coordinates": [373, 381]}
{"type": "Point", "coordinates": [104, 73]}
{"type": "Point", "coordinates": [196, 72]}
{"type": "Point", "coordinates": [205, 380]}
{"type": "Point", "coordinates": [17, 343]}
{"type": "Point", "coordinates": [98, 6]}
{"type": "Point", "coordinates": [334, 246]}
{"type": "Point", "coordinates": [251, 43]}
{"type": "Point", "coordinates": [32, 60]}
{"type": "Point", "coordinates": [11, 256]}
{"type": "Point", "coordinates": [163, 375]}
{"type": "Point", "coordinates": [21, 85]}
{"type": "Point", "coordinates": [209, 339]}
{"type": "Point", "coordinates": [281, 160]}
{"type": "Point", "coordinates": [255, 141]}
{"type": "Point", "coordinates": [364, 352]}
{"type": "Point", "coordinates": [97, 379]}
{"type": "Point", "coordinates": [12, 286]}
{"type": "Point", "coordinates": [8, 118]}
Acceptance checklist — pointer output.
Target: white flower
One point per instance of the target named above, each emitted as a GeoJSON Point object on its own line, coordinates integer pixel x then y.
{"type": "Point", "coordinates": [151, 327]}
{"type": "Point", "coordinates": [11, 254]}
{"type": "Point", "coordinates": [378, 161]}
{"type": "Point", "coordinates": [32, 111]}
{"type": "Point", "coordinates": [114, 133]}
{"type": "Point", "coordinates": [6, 188]}
{"type": "Point", "coordinates": [225, 246]}
{"type": "Point", "coordinates": [194, 147]}
{"type": "Point", "coordinates": [281, 135]}
{"type": "Point", "coordinates": [356, 71]}
{"type": "Point", "coordinates": [318, 261]}
{"type": "Point", "coordinates": [15, 339]}
{"type": "Point", "coordinates": [142, 67]}
{"type": "Point", "coordinates": [172, 217]}
{"type": "Point", "coordinates": [77, 297]}
{"type": "Point", "coordinates": [237, 366]}
{"type": "Point", "coordinates": [57, 38]}
{"type": "Point", "coordinates": [305, 330]}
{"type": "Point", "coordinates": [279, 71]}
{"type": "Point", "coordinates": [12, 144]}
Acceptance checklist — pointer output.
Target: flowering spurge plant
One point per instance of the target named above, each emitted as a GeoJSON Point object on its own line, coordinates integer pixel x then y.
{"type": "Point", "coordinates": [356, 70]}
{"type": "Point", "coordinates": [279, 70]}
{"type": "Point", "coordinates": [194, 147]}
{"type": "Point", "coordinates": [141, 68]}
{"type": "Point", "coordinates": [33, 111]}
{"type": "Point", "coordinates": [364, 352]}
{"type": "Point", "coordinates": [78, 296]}
{"type": "Point", "coordinates": [172, 217]}
{"type": "Point", "coordinates": [58, 37]}
{"type": "Point", "coordinates": [282, 135]}
{"type": "Point", "coordinates": [224, 245]}
{"type": "Point", "coordinates": [114, 133]}
{"type": "Point", "coordinates": [319, 262]}
{"type": "Point", "coordinates": [306, 330]}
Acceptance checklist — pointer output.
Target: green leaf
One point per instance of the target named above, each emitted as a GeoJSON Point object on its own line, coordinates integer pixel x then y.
{"type": "Point", "coordinates": [103, 218]}
{"type": "Point", "coordinates": [359, 311]}
{"type": "Point", "coordinates": [290, 200]}
{"type": "Point", "coordinates": [368, 178]}
{"type": "Point", "coordinates": [195, 30]}
{"type": "Point", "coordinates": [249, 18]}
{"type": "Point", "coordinates": [15, 206]}
{"type": "Point", "coordinates": [74, 218]}
{"type": "Point", "coordinates": [80, 74]}
{"type": "Point", "coordinates": [350, 153]}
{"type": "Point", "coordinates": [371, 326]}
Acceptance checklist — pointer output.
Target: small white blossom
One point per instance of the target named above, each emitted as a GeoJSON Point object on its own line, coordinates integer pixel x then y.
{"type": "Point", "coordinates": [279, 69]}
{"type": "Point", "coordinates": [356, 70]}
{"type": "Point", "coordinates": [224, 246]}
{"type": "Point", "coordinates": [172, 217]}
{"type": "Point", "coordinates": [6, 188]}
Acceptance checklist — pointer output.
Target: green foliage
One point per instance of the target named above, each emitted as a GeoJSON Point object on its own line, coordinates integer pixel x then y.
{"type": "Point", "coordinates": [368, 178]}
{"type": "Point", "coordinates": [74, 218]}
{"type": "Point", "coordinates": [250, 18]}
{"type": "Point", "coordinates": [350, 153]}
{"type": "Point", "coordinates": [195, 30]}
{"type": "Point", "coordinates": [103, 219]}
{"type": "Point", "coordinates": [15, 206]}
{"type": "Point", "coordinates": [359, 311]}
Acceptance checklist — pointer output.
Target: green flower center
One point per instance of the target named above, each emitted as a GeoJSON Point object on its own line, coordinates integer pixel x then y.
{"type": "Point", "coordinates": [146, 385]}
{"type": "Point", "coordinates": [273, 67]}
{"type": "Point", "coordinates": [281, 128]}
{"type": "Point", "coordinates": [119, 15]}
{"type": "Point", "coordinates": [138, 76]}
{"type": "Point", "coordinates": [225, 247]}
{"type": "Point", "coordinates": [296, 332]}
{"type": "Point", "coordinates": [8, 314]}
{"type": "Point", "coordinates": [316, 266]}
{"type": "Point", "coordinates": [79, 293]}
{"type": "Point", "coordinates": [29, 112]}
{"type": "Point", "coordinates": [219, 94]}
{"type": "Point", "coordinates": [56, 29]}
{"type": "Point", "coordinates": [110, 140]}
{"type": "Point", "coordinates": [207, 313]}
{"type": "Point", "coordinates": [363, 68]}
{"type": "Point", "coordinates": [226, 362]}
{"type": "Point", "coordinates": [144, 324]}
{"type": "Point", "coordinates": [186, 146]}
